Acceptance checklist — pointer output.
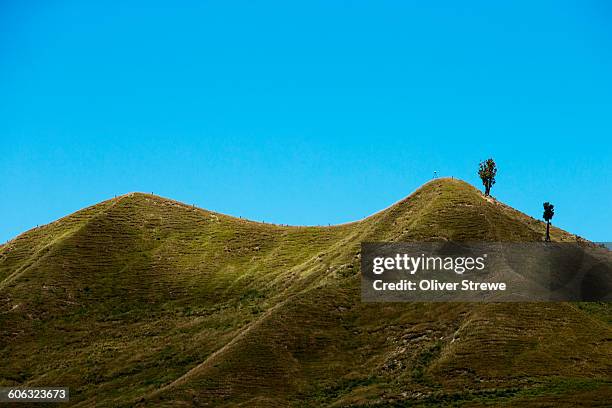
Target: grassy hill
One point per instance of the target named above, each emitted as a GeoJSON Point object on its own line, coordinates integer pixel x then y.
{"type": "Point", "coordinates": [144, 301]}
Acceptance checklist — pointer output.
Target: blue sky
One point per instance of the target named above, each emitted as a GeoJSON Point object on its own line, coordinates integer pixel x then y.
{"type": "Point", "coordinates": [323, 112]}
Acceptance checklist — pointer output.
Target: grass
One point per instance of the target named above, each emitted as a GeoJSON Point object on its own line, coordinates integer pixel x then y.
{"type": "Point", "coordinates": [141, 300]}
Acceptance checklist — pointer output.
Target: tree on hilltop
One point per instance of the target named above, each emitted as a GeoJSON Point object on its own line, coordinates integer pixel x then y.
{"type": "Point", "coordinates": [487, 171]}
{"type": "Point", "coordinates": [549, 212]}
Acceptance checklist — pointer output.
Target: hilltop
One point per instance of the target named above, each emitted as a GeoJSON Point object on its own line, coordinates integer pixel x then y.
{"type": "Point", "coordinates": [141, 300]}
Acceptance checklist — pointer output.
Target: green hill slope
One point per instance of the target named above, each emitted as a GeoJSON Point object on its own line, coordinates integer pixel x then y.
{"type": "Point", "coordinates": [145, 301]}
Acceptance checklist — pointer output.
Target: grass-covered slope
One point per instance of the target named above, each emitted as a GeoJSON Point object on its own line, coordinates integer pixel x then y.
{"type": "Point", "coordinates": [145, 301]}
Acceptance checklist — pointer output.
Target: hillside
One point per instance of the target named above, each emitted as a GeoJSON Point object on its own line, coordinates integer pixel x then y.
{"type": "Point", "coordinates": [141, 300]}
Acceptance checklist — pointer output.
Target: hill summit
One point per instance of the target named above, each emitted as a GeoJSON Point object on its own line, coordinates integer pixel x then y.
{"type": "Point", "coordinates": [145, 301]}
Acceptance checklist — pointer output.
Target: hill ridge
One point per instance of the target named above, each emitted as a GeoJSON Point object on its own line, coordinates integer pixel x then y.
{"type": "Point", "coordinates": [446, 181]}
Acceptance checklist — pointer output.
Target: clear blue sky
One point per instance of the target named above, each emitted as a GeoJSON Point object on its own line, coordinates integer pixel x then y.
{"type": "Point", "coordinates": [317, 113]}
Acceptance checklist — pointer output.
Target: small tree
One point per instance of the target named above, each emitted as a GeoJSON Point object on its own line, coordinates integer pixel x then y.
{"type": "Point", "coordinates": [549, 212]}
{"type": "Point", "coordinates": [487, 172]}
